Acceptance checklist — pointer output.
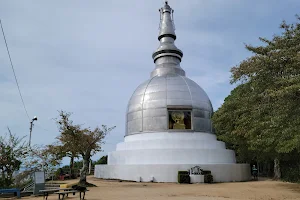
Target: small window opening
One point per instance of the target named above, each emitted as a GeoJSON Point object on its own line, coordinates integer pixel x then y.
{"type": "Point", "coordinates": [180, 119]}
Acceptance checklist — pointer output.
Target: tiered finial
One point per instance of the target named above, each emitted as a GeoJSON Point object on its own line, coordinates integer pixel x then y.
{"type": "Point", "coordinates": [167, 53]}
{"type": "Point", "coordinates": [166, 21]}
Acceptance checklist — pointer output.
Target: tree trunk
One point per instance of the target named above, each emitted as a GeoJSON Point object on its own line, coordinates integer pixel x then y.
{"type": "Point", "coordinates": [72, 166]}
{"type": "Point", "coordinates": [84, 169]}
{"type": "Point", "coordinates": [277, 172]}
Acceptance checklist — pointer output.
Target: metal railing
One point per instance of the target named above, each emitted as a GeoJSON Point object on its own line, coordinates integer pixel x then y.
{"type": "Point", "coordinates": [28, 187]}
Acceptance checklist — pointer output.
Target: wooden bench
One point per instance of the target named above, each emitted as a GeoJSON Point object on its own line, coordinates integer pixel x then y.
{"type": "Point", "coordinates": [46, 192]}
{"type": "Point", "coordinates": [71, 191]}
{"type": "Point", "coordinates": [13, 190]}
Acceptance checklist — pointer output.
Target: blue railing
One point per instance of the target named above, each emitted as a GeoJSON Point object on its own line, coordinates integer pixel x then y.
{"type": "Point", "coordinates": [13, 190]}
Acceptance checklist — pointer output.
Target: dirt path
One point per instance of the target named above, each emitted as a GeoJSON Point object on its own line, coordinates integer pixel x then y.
{"type": "Point", "coordinates": [260, 190]}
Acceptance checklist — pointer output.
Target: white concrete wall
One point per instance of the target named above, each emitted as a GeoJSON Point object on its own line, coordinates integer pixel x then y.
{"type": "Point", "coordinates": [171, 144]}
{"type": "Point", "coordinates": [168, 173]}
{"type": "Point", "coordinates": [171, 156]}
{"type": "Point", "coordinates": [171, 135]}
{"type": "Point", "coordinates": [171, 148]}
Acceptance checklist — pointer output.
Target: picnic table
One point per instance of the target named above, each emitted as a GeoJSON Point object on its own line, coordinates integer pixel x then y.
{"type": "Point", "coordinates": [46, 192]}
{"type": "Point", "coordinates": [12, 190]}
{"type": "Point", "coordinates": [71, 191]}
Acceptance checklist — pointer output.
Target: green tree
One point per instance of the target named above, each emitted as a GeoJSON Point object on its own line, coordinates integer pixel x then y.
{"type": "Point", "coordinates": [68, 140]}
{"type": "Point", "coordinates": [92, 140]}
{"type": "Point", "coordinates": [261, 115]}
{"type": "Point", "coordinates": [41, 158]}
{"type": "Point", "coordinates": [81, 141]}
{"type": "Point", "coordinates": [12, 151]}
{"type": "Point", "coordinates": [101, 161]}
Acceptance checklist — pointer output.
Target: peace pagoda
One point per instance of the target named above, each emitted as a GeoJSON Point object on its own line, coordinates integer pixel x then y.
{"type": "Point", "coordinates": [168, 124]}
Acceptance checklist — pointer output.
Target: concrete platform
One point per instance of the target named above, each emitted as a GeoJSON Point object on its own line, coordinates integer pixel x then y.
{"type": "Point", "coordinates": [168, 173]}
{"type": "Point", "coordinates": [160, 155]}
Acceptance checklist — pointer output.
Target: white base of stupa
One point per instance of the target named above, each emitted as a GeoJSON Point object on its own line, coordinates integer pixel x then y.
{"type": "Point", "coordinates": [159, 156]}
{"type": "Point", "coordinates": [168, 173]}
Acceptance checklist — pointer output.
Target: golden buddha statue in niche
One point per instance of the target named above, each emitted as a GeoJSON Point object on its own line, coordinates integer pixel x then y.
{"type": "Point", "coordinates": [178, 117]}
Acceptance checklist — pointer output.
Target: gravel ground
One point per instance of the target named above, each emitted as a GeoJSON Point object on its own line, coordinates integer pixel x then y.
{"type": "Point", "coordinates": [115, 190]}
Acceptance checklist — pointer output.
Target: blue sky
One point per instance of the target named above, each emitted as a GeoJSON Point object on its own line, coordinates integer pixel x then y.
{"type": "Point", "coordinates": [87, 57]}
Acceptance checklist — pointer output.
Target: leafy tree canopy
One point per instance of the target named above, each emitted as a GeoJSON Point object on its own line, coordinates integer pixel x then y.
{"type": "Point", "coordinates": [260, 118]}
{"type": "Point", "coordinates": [78, 141]}
{"type": "Point", "coordinates": [12, 151]}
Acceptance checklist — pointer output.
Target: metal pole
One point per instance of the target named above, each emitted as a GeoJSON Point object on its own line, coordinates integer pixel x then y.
{"type": "Point", "coordinates": [31, 125]}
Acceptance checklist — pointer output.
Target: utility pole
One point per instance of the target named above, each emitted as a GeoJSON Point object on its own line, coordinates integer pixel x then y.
{"type": "Point", "coordinates": [31, 126]}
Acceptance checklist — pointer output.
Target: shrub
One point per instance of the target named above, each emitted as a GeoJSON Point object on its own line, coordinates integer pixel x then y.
{"type": "Point", "coordinates": [208, 178]}
{"type": "Point", "coordinates": [184, 178]}
{"type": "Point", "coordinates": [205, 172]}
{"type": "Point", "coordinates": [290, 174]}
{"type": "Point", "coordinates": [183, 172]}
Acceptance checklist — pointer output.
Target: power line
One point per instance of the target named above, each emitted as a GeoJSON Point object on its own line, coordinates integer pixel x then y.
{"type": "Point", "coordinates": [12, 66]}
{"type": "Point", "coordinates": [42, 128]}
